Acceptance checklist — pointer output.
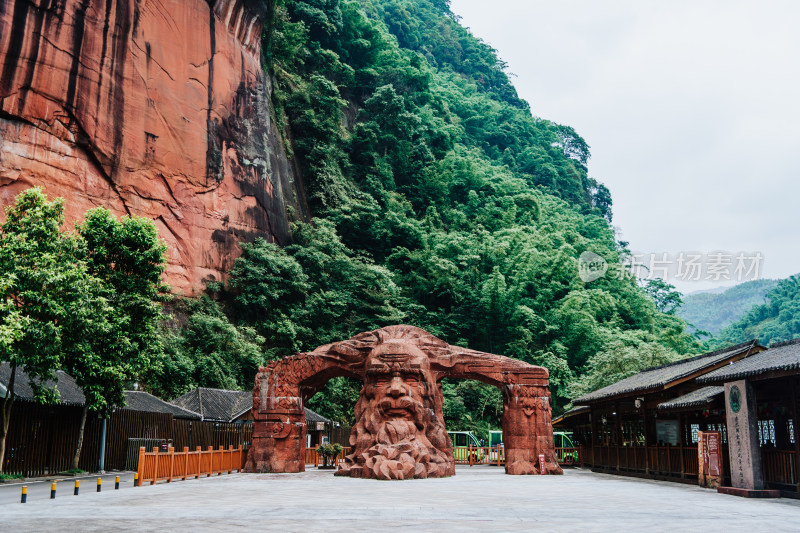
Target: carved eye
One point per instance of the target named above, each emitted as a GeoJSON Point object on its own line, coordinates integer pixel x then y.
{"type": "Point", "coordinates": [412, 380]}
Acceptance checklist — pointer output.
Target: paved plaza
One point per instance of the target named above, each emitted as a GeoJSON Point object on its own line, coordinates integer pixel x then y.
{"type": "Point", "coordinates": [476, 499]}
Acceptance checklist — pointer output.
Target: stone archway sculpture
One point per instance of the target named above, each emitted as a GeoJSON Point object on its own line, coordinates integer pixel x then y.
{"type": "Point", "coordinates": [399, 431]}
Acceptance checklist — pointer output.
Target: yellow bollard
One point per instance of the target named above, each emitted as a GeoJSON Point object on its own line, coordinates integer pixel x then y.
{"type": "Point", "coordinates": [77, 487]}
{"type": "Point", "coordinates": [24, 497]}
{"type": "Point", "coordinates": [116, 483]}
{"type": "Point", "coordinates": [99, 484]}
{"type": "Point", "coordinates": [53, 491]}
{"type": "Point", "coordinates": [136, 479]}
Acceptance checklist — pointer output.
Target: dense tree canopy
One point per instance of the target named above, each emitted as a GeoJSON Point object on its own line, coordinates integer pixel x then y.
{"type": "Point", "coordinates": [440, 201]}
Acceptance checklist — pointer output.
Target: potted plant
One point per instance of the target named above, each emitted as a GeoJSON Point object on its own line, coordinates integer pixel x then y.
{"type": "Point", "coordinates": [327, 451]}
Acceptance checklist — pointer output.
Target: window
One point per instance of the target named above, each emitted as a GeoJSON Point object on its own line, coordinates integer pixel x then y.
{"type": "Point", "coordinates": [694, 428]}
{"type": "Point", "coordinates": [766, 432]}
{"type": "Point", "coordinates": [723, 431]}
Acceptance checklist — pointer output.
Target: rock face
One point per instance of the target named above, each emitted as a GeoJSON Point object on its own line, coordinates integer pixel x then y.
{"type": "Point", "coordinates": [399, 431]}
{"type": "Point", "coordinates": [155, 108]}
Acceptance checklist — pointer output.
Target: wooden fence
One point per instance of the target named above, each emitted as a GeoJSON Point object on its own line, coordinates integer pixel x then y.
{"type": "Point", "coordinates": [157, 466]}
{"type": "Point", "coordinates": [313, 458]}
{"type": "Point", "coordinates": [680, 462]}
{"type": "Point", "coordinates": [42, 438]}
{"type": "Point", "coordinates": [658, 461]}
{"type": "Point", "coordinates": [495, 455]}
{"type": "Point", "coordinates": [780, 469]}
{"type": "Point", "coordinates": [486, 455]}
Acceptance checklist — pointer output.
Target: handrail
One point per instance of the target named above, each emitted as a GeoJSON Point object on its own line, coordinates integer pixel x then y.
{"type": "Point", "coordinates": [155, 466]}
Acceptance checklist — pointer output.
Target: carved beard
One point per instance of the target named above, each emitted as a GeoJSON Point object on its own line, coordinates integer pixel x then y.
{"type": "Point", "coordinates": [397, 448]}
{"type": "Point", "coordinates": [396, 431]}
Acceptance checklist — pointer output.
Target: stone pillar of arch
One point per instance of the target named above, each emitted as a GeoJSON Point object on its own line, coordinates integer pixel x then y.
{"type": "Point", "coordinates": [399, 431]}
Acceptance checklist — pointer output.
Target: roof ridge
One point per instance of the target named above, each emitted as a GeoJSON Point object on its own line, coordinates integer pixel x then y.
{"type": "Point", "coordinates": [200, 402]}
{"type": "Point", "coordinates": [220, 390]}
{"type": "Point", "coordinates": [785, 343]}
{"type": "Point", "coordinates": [736, 347]}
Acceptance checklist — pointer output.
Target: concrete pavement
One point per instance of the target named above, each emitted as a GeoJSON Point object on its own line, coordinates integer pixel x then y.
{"type": "Point", "coordinates": [476, 499]}
{"type": "Point", "coordinates": [39, 488]}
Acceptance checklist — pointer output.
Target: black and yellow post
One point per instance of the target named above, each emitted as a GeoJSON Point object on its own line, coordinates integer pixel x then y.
{"type": "Point", "coordinates": [116, 483]}
{"type": "Point", "coordinates": [24, 497]}
{"type": "Point", "coordinates": [136, 479]}
{"type": "Point", "coordinates": [99, 484]}
{"type": "Point", "coordinates": [77, 487]}
{"type": "Point", "coordinates": [53, 491]}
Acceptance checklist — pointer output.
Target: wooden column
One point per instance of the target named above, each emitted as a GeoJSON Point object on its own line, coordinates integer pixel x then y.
{"type": "Point", "coordinates": [646, 452]}
{"type": "Point", "coordinates": [618, 430]}
{"type": "Point", "coordinates": [682, 443]}
{"type": "Point", "coordinates": [593, 423]}
{"type": "Point", "coordinates": [793, 400]}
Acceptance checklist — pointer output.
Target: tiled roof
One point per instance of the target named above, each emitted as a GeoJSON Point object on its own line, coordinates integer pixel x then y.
{"type": "Point", "coordinates": [220, 405]}
{"type": "Point", "coordinates": [143, 401]}
{"type": "Point", "coordinates": [781, 356]}
{"type": "Point", "coordinates": [572, 412]}
{"type": "Point", "coordinates": [696, 398]}
{"type": "Point", "coordinates": [71, 394]}
{"type": "Point", "coordinates": [658, 377]}
{"type": "Point", "coordinates": [311, 416]}
{"type": "Point", "coordinates": [69, 391]}
{"type": "Point", "coordinates": [226, 405]}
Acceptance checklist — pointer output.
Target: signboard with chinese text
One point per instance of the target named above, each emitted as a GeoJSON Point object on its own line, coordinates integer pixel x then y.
{"type": "Point", "coordinates": [667, 432]}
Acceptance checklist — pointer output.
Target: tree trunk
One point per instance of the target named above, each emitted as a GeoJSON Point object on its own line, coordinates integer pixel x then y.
{"type": "Point", "coordinates": [77, 456]}
{"type": "Point", "coordinates": [8, 403]}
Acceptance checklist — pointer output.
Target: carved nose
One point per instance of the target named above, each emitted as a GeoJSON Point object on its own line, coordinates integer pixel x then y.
{"type": "Point", "coordinates": [397, 388]}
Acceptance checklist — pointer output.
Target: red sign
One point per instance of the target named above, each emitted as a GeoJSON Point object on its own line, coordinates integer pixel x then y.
{"type": "Point", "coordinates": [712, 450]}
{"type": "Point", "coordinates": [542, 469]}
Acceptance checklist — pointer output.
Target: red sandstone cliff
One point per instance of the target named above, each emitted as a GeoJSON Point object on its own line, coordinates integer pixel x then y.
{"type": "Point", "coordinates": [156, 108]}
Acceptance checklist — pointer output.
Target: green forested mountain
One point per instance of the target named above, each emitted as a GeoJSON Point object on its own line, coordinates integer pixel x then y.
{"type": "Point", "coordinates": [712, 311]}
{"type": "Point", "coordinates": [440, 201]}
{"type": "Point", "coordinates": [778, 319]}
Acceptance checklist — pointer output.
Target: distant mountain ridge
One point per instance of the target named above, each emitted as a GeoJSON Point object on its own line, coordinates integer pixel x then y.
{"type": "Point", "coordinates": [775, 320]}
{"type": "Point", "coordinates": [714, 310]}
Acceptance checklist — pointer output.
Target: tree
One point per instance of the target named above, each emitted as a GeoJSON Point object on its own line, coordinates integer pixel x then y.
{"type": "Point", "coordinates": [39, 278]}
{"type": "Point", "coordinates": [208, 351]}
{"type": "Point", "coordinates": [112, 333]}
{"type": "Point", "coordinates": [664, 295]}
{"type": "Point", "coordinates": [622, 357]}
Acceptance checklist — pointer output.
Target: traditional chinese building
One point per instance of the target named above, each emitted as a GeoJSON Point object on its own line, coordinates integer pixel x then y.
{"type": "Point", "coordinates": [647, 424]}
{"type": "Point", "coordinates": [234, 406]}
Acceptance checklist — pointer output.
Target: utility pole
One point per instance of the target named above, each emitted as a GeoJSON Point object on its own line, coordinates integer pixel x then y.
{"type": "Point", "coordinates": [102, 465]}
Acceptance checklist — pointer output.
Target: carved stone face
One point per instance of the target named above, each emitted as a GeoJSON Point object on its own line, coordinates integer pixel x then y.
{"type": "Point", "coordinates": [399, 434]}
{"type": "Point", "coordinates": [398, 379]}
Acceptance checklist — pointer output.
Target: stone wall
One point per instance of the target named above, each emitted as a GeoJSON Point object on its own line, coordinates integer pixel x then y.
{"type": "Point", "coordinates": [156, 108]}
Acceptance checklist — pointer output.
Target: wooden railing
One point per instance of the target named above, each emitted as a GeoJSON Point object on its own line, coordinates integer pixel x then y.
{"type": "Point", "coordinates": [495, 455]}
{"type": "Point", "coordinates": [470, 455]}
{"type": "Point", "coordinates": [678, 461]}
{"type": "Point", "coordinates": [313, 458]}
{"type": "Point", "coordinates": [478, 455]}
{"type": "Point", "coordinates": [779, 467]}
{"type": "Point", "coordinates": [166, 466]}
{"type": "Point", "coordinates": [568, 456]}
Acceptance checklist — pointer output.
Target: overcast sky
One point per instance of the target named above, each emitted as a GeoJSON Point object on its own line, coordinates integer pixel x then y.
{"type": "Point", "coordinates": [691, 109]}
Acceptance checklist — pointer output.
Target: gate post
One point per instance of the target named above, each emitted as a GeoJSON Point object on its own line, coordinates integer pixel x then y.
{"type": "Point", "coordinates": [527, 429]}
{"type": "Point", "coordinates": [279, 429]}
